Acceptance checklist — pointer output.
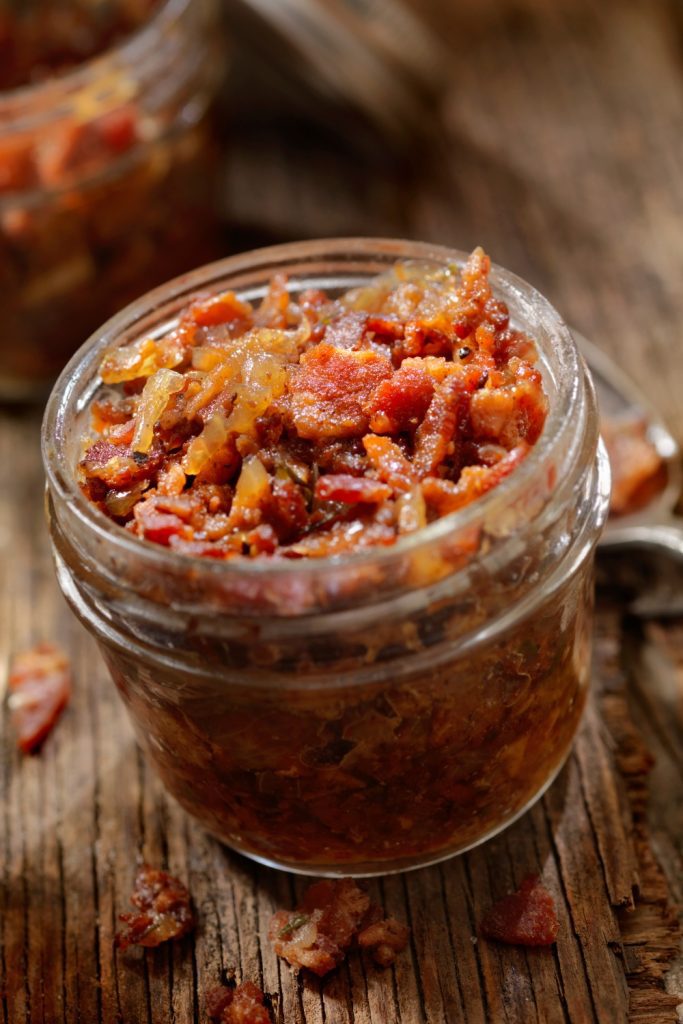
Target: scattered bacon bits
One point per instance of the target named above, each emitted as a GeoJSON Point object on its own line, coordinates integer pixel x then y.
{"type": "Point", "coordinates": [638, 470]}
{"type": "Point", "coordinates": [332, 917]}
{"type": "Point", "coordinates": [244, 1004]}
{"type": "Point", "coordinates": [39, 689]}
{"type": "Point", "coordinates": [330, 424]}
{"type": "Point", "coordinates": [525, 918]}
{"type": "Point", "coordinates": [163, 910]}
{"type": "Point", "coordinates": [385, 940]}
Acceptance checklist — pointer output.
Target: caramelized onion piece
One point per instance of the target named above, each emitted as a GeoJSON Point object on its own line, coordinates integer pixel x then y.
{"type": "Point", "coordinates": [155, 397]}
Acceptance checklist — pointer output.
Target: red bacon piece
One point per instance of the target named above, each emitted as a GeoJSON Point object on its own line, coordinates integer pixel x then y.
{"type": "Point", "coordinates": [318, 933]}
{"type": "Point", "coordinates": [351, 489]}
{"type": "Point", "coordinates": [444, 496]}
{"type": "Point", "coordinates": [39, 689]}
{"type": "Point", "coordinates": [400, 403]}
{"type": "Point", "coordinates": [163, 910]}
{"type": "Point", "coordinates": [524, 918]}
{"type": "Point", "coordinates": [241, 1005]}
{"type": "Point", "coordinates": [384, 939]}
{"type": "Point", "coordinates": [346, 331]}
{"type": "Point", "coordinates": [329, 389]}
{"type": "Point", "coordinates": [389, 462]}
{"type": "Point", "coordinates": [435, 438]}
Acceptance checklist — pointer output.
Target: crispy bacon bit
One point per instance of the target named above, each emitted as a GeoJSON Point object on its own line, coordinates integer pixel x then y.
{"type": "Point", "coordinates": [389, 462]}
{"type": "Point", "coordinates": [318, 934]}
{"type": "Point", "coordinates": [444, 497]}
{"type": "Point", "coordinates": [329, 388]}
{"type": "Point", "coordinates": [244, 1004]}
{"type": "Point", "coordinates": [332, 917]}
{"type": "Point", "coordinates": [385, 940]}
{"type": "Point", "coordinates": [329, 424]}
{"type": "Point", "coordinates": [638, 470]}
{"type": "Point", "coordinates": [163, 910]}
{"type": "Point", "coordinates": [347, 330]}
{"type": "Point", "coordinates": [400, 403]}
{"type": "Point", "coordinates": [351, 489]}
{"type": "Point", "coordinates": [512, 413]}
{"type": "Point", "coordinates": [39, 689]}
{"type": "Point", "coordinates": [526, 918]}
{"type": "Point", "coordinates": [435, 437]}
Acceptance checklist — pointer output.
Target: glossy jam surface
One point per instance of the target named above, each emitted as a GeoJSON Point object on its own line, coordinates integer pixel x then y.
{"type": "Point", "coordinates": [318, 425]}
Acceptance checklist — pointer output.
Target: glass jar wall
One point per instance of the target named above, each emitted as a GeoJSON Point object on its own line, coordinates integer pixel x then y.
{"type": "Point", "coordinates": [366, 713]}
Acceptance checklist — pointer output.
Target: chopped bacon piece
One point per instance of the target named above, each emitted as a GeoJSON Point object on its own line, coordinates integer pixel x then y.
{"type": "Point", "coordinates": [163, 910]}
{"type": "Point", "coordinates": [436, 436]}
{"type": "Point", "coordinates": [318, 934]}
{"type": "Point", "coordinates": [424, 340]}
{"type": "Point", "coordinates": [156, 525]}
{"type": "Point", "coordinates": [389, 462]}
{"type": "Point", "coordinates": [400, 403]}
{"type": "Point", "coordinates": [346, 331]}
{"type": "Point", "coordinates": [444, 497]}
{"type": "Point", "coordinates": [329, 388]}
{"type": "Point", "coordinates": [39, 689]}
{"type": "Point", "coordinates": [351, 489]}
{"type": "Point", "coordinates": [117, 466]}
{"type": "Point", "coordinates": [384, 939]}
{"type": "Point", "coordinates": [526, 918]}
{"type": "Point", "coordinates": [638, 470]}
{"type": "Point", "coordinates": [512, 413]}
{"type": "Point", "coordinates": [244, 1004]}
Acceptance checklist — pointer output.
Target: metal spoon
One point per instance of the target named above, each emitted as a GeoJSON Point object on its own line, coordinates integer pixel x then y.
{"type": "Point", "coordinates": [642, 551]}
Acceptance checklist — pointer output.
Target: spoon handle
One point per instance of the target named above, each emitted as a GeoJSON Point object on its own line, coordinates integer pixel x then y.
{"type": "Point", "coordinates": [663, 537]}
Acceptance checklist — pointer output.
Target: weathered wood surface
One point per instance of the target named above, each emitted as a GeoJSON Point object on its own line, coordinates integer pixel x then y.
{"type": "Point", "coordinates": [561, 153]}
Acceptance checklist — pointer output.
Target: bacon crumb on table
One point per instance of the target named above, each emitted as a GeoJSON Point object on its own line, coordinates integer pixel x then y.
{"type": "Point", "coordinates": [163, 910]}
{"type": "Point", "coordinates": [39, 689]}
{"type": "Point", "coordinates": [329, 423]}
{"type": "Point", "coordinates": [241, 1005]}
{"type": "Point", "coordinates": [526, 917]}
{"type": "Point", "coordinates": [333, 916]}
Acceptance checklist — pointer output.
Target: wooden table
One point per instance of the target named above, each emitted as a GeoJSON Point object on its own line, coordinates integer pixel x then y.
{"type": "Point", "coordinates": [562, 153]}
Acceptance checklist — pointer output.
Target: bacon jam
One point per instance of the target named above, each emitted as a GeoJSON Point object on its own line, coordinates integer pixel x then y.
{"type": "Point", "coordinates": [301, 429]}
{"type": "Point", "coordinates": [321, 679]}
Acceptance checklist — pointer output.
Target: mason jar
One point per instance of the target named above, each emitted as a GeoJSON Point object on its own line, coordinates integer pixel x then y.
{"type": "Point", "coordinates": [105, 187]}
{"type": "Point", "coordinates": [364, 713]}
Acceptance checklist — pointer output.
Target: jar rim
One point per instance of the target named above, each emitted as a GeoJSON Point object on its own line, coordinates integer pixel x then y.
{"type": "Point", "coordinates": [62, 85]}
{"type": "Point", "coordinates": [68, 392]}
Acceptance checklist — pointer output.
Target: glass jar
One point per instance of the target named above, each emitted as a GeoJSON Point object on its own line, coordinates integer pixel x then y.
{"type": "Point", "coordinates": [105, 188]}
{"type": "Point", "coordinates": [366, 713]}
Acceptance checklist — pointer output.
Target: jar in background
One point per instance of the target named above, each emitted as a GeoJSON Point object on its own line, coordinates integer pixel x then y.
{"type": "Point", "coordinates": [106, 187]}
{"type": "Point", "coordinates": [367, 713]}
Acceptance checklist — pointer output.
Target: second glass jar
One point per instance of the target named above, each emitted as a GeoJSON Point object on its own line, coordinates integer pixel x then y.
{"type": "Point", "coordinates": [106, 187]}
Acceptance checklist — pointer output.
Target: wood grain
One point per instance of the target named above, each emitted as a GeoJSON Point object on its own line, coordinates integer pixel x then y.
{"type": "Point", "coordinates": [560, 149]}
{"type": "Point", "coordinates": [78, 817]}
